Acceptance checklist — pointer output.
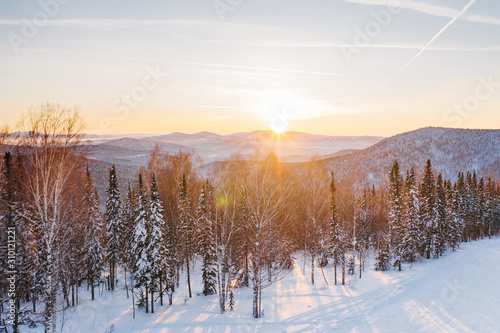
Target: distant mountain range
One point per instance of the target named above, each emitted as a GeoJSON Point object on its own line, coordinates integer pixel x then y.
{"type": "Point", "coordinates": [290, 147]}
{"type": "Point", "coordinates": [364, 160]}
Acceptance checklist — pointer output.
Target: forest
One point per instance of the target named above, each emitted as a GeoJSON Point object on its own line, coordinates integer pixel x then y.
{"type": "Point", "coordinates": [242, 224]}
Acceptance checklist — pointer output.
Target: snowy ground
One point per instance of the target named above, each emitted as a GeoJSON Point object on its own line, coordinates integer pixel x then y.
{"type": "Point", "coordinates": [457, 293]}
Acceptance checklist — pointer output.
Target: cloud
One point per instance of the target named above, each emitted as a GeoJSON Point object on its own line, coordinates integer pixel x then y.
{"type": "Point", "coordinates": [432, 9]}
{"type": "Point", "coordinates": [264, 69]}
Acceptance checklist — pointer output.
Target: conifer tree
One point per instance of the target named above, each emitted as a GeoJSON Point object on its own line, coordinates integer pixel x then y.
{"type": "Point", "coordinates": [113, 233]}
{"type": "Point", "coordinates": [186, 227]}
{"type": "Point", "coordinates": [157, 251]}
{"type": "Point", "coordinates": [382, 260]}
{"type": "Point", "coordinates": [206, 240]}
{"type": "Point", "coordinates": [397, 228]}
{"type": "Point", "coordinates": [412, 238]}
{"type": "Point", "coordinates": [441, 227]}
{"type": "Point", "coordinates": [142, 232]}
{"type": "Point", "coordinates": [93, 234]}
{"type": "Point", "coordinates": [454, 221]}
{"type": "Point", "coordinates": [334, 227]}
{"type": "Point", "coordinates": [427, 211]}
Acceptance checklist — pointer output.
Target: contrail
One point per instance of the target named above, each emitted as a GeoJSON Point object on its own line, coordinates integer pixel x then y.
{"type": "Point", "coordinates": [432, 40]}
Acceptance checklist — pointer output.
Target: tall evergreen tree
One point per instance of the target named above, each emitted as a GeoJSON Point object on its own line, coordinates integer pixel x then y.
{"type": "Point", "coordinates": [112, 216]}
{"type": "Point", "coordinates": [142, 261]}
{"type": "Point", "coordinates": [396, 226]}
{"type": "Point", "coordinates": [427, 211]}
{"type": "Point", "coordinates": [454, 221]}
{"type": "Point", "coordinates": [157, 251]}
{"type": "Point", "coordinates": [206, 239]}
{"type": "Point", "coordinates": [440, 226]}
{"type": "Point", "coordinates": [186, 227]}
{"type": "Point", "coordinates": [334, 227]}
{"type": "Point", "coordinates": [412, 238]}
{"type": "Point", "coordinates": [92, 221]}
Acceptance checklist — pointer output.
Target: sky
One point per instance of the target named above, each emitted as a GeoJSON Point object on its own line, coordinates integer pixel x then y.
{"type": "Point", "coordinates": [334, 67]}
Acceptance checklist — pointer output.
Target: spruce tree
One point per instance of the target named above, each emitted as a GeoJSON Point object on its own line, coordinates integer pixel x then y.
{"type": "Point", "coordinates": [382, 259]}
{"type": "Point", "coordinates": [142, 232]}
{"type": "Point", "coordinates": [454, 221]}
{"type": "Point", "coordinates": [412, 238]}
{"type": "Point", "coordinates": [427, 211]}
{"type": "Point", "coordinates": [396, 226]}
{"type": "Point", "coordinates": [186, 227]}
{"type": "Point", "coordinates": [441, 227]}
{"type": "Point", "coordinates": [93, 234]}
{"type": "Point", "coordinates": [206, 240]}
{"type": "Point", "coordinates": [157, 251]}
{"type": "Point", "coordinates": [334, 227]}
{"type": "Point", "coordinates": [112, 217]}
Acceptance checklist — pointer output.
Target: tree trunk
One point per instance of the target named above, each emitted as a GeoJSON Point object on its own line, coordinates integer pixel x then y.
{"type": "Point", "coordinates": [312, 267]}
{"type": "Point", "coordinates": [343, 270]}
{"type": "Point", "coordinates": [360, 264]}
{"type": "Point", "coordinates": [73, 294]}
{"type": "Point", "coordinates": [188, 276]}
{"type": "Point", "coordinates": [112, 274]}
{"type": "Point", "coordinates": [161, 290]}
{"type": "Point", "coordinates": [50, 302]}
{"type": "Point", "coordinates": [133, 302]}
{"type": "Point", "coordinates": [152, 301]}
{"type": "Point", "coordinates": [335, 270]}
{"type": "Point", "coordinates": [92, 288]}
{"type": "Point", "coordinates": [147, 299]}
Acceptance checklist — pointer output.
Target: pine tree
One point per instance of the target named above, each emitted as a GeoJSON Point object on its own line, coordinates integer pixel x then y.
{"type": "Point", "coordinates": [412, 238]}
{"type": "Point", "coordinates": [490, 206]}
{"type": "Point", "coordinates": [157, 251]}
{"type": "Point", "coordinates": [382, 260]}
{"type": "Point", "coordinates": [397, 228]}
{"type": "Point", "coordinates": [127, 230]}
{"type": "Point", "coordinates": [334, 227]}
{"type": "Point", "coordinates": [93, 234]}
{"type": "Point", "coordinates": [441, 227]}
{"type": "Point", "coordinates": [206, 239]}
{"type": "Point", "coordinates": [112, 216]}
{"type": "Point", "coordinates": [186, 227]}
{"type": "Point", "coordinates": [427, 211]}
{"type": "Point", "coordinates": [454, 221]}
{"type": "Point", "coordinates": [481, 207]}
{"type": "Point", "coordinates": [142, 262]}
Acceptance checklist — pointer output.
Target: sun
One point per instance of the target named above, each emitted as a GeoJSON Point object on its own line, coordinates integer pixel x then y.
{"type": "Point", "coordinates": [279, 131]}
{"type": "Point", "coordinates": [279, 121]}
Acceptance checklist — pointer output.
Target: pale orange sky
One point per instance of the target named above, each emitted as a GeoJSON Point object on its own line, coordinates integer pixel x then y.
{"type": "Point", "coordinates": [344, 67]}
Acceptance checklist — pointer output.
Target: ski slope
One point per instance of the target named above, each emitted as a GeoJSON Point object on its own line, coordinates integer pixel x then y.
{"type": "Point", "coordinates": [457, 293]}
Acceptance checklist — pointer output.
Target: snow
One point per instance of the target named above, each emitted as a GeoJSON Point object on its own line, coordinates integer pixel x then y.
{"type": "Point", "coordinates": [456, 293]}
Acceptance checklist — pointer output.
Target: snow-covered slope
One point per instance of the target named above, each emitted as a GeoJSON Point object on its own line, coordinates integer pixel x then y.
{"type": "Point", "coordinates": [457, 293]}
{"type": "Point", "coordinates": [451, 151]}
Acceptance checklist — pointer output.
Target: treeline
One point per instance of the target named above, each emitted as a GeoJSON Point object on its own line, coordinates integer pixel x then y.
{"type": "Point", "coordinates": [243, 224]}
